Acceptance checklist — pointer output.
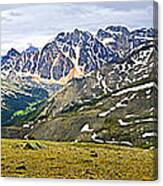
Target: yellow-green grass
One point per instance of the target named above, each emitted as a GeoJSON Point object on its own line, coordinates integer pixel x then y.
{"type": "Point", "coordinates": [76, 160]}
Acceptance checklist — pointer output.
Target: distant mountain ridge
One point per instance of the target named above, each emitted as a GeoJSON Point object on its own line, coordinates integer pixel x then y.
{"type": "Point", "coordinates": [74, 54]}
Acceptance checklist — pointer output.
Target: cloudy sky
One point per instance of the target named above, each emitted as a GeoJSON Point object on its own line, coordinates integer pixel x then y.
{"type": "Point", "coordinates": [22, 25]}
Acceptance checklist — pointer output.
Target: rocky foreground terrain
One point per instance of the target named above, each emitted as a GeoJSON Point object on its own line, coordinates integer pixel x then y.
{"type": "Point", "coordinates": [68, 160]}
{"type": "Point", "coordinates": [82, 87]}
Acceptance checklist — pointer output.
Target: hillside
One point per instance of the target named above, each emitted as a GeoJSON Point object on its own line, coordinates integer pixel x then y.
{"type": "Point", "coordinates": [82, 87]}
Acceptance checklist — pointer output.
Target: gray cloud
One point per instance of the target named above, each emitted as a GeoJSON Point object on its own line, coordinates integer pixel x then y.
{"type": "Point", "coordinates": [14, 13]}
{"type": "Point", "coordinates": [29, 23]}
{"type": "Point", "coordinates": [3, 18]}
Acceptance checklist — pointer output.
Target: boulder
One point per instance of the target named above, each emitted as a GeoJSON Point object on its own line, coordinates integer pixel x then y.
{"type": "Point", "coordinates": [34, 146]}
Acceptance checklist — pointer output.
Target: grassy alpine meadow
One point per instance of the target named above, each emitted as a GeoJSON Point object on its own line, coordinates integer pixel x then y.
{"type": "Point", "coordinates": [69, 160]}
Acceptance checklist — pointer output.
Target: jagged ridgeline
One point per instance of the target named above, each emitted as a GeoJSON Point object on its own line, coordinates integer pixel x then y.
{"type": "Point", "coordinates": [82, 87]}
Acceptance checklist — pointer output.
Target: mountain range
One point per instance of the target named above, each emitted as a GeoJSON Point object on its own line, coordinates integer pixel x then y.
{"type": "Point", "coordinates": [84, 87]}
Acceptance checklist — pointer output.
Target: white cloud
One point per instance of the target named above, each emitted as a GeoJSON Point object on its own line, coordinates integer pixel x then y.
{"type": "Point", "coordinates": [29, 23]}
